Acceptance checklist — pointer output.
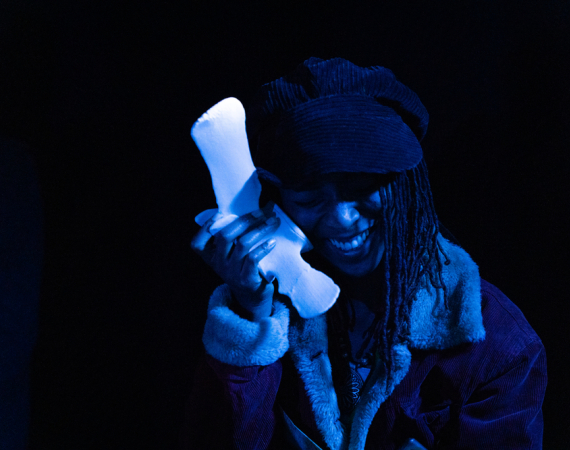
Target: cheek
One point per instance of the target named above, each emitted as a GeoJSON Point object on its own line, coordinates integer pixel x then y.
{"type": "Point", "coordinates": [306, 219]}
{"type": "Point", "coordinates": [374, 202]}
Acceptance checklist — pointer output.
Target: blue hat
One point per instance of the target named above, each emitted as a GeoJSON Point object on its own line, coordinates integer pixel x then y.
{"type": "Point", "coordinates": [333, 116]}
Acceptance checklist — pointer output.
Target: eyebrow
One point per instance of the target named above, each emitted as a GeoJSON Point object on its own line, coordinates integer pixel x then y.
{"type": "Point", "coordinates": [361, 182]}
{"type": "Point", "coordinates": [307, 187]}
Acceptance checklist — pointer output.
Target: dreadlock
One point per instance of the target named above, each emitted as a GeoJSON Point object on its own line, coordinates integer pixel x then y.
{"type": "Point", "coordinates": [411, 252]}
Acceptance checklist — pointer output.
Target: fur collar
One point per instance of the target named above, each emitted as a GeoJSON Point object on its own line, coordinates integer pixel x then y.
{"type": "Point", "coordinates": [236, 341]}
{"type": "Point", "coordinates": [431, 327]}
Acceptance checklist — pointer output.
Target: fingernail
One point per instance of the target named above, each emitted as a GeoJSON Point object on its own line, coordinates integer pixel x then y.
{"type": "Point", "coordinates": [271, 220]}
{"type": "Point", "coordinates": [211, 220]}
{"type": "Point", "coordinates": [268, 208]}
{"type": "Point", "coordinates": [257, 213]}
{"type": "Point", "coordinates": [270, 243]}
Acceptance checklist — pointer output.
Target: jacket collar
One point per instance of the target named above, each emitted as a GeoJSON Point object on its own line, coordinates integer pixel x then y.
{"type": "Point", "coordinates": [432, 326]}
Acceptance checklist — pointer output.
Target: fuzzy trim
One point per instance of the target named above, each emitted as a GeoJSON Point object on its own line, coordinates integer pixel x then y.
{"type": "Point", "coordinates": [375, 394]}
{"type": "Point", "coordinates": [432, 326]}
{"type": "Point", "coordinates": [239, 342]}
{"type": "Point", "coordinates": [310, 356]}
{"type": "Point", "coordinates": [233, 340]}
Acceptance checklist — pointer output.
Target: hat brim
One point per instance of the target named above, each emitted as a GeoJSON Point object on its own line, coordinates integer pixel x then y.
{"type": "Point", "coordinates": [340, 133]}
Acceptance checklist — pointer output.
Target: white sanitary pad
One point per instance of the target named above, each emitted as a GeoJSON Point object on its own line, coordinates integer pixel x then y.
{"type": "Point", "coordinates": [221, 138]}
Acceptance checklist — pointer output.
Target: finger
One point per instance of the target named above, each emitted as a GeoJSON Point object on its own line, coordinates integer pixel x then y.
{"type": "Point", "coordinates": [225, 238]}
{"type": "Point", "coordinates": [250, 268]}
{"type": "Point", "coordinates": [249, 240]}
{"type": "Point", "coordinates": [239, 226]}
{"type": "Point", "coordinates": [201, 238]}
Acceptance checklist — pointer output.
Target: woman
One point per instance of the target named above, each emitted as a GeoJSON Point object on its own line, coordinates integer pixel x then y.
{"type": "Point", "coordinates": [417, 345]}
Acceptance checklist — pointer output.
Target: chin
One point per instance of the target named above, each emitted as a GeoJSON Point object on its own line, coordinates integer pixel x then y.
{"type": "Point", "coordinates": [352, 271]}
{"type": "Point", "coordinates": [357, 270]}
{"type": "Point", "coordinates": [358, 264]}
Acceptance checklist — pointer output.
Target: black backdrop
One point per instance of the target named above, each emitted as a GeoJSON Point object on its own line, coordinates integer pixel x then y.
{"type": "Point", "coordinates": [105, 95]}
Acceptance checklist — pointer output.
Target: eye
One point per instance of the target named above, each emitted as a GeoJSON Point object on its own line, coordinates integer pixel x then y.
{"type": "Point", "coordinates": [359, 183]}
{"type": "Point", "coordinates": [363, 191]}
{"type": "Point", "coordinates": [309, 203]}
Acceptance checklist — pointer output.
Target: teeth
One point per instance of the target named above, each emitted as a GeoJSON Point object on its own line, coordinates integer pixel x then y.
{"type": "Point", "coordinates": [352, 244]}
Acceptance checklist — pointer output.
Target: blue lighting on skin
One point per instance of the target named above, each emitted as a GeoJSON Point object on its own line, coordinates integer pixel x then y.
{"type": "Point", "coordinates": [338, 212]}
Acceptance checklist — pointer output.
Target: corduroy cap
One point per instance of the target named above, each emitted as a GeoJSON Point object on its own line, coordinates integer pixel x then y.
{"type": "Point", "coordinates": [333, 116]}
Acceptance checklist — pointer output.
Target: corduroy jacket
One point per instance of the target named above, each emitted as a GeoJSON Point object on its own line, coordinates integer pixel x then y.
{"type": "Point", "coordinates": [472, 376]}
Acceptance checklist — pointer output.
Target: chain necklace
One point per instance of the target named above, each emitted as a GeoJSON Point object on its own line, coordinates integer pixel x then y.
{"type": "Point", "coordinates": [348, 383]}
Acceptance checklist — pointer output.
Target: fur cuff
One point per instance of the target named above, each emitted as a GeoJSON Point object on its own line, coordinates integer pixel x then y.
{"type": "Point", "coordinates": [239, 342]}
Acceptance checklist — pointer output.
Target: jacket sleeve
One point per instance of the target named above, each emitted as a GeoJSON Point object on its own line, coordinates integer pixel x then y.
{"type": "Point", "coordinates": [506, 412]}
{"type": "Point", "coordinates": [236, 382]}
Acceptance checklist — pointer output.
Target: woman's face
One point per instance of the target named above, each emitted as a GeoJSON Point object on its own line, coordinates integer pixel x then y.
{"type": "Point", "coordinates": [341, 215]}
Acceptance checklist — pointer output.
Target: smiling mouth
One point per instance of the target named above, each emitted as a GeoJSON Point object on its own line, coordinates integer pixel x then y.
{"type": "Point", "coordinates": [354, 242]}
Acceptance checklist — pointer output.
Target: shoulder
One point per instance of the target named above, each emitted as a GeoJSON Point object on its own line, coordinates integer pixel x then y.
{"type": "Point", "coordinates": [511, 353]}
{"type": "Point", "coordinates": [506, 326]}
{"type": "Point", "coordinates": [511, 346]}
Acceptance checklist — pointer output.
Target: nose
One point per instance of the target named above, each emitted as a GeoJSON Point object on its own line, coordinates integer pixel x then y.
{"type": "Point", "coordinates": [343, 214]}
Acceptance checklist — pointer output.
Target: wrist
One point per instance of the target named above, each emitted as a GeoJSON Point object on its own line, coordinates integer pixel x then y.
{"type": "Point", "coordinates": [252, 313]}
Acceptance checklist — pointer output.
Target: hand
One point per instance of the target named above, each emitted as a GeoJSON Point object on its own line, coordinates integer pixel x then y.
{"type": "Point", "coordinates": [228, 253]}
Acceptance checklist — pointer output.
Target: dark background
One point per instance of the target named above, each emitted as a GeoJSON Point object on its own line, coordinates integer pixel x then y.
{"type": "Point", "coordinates": [104, 96]}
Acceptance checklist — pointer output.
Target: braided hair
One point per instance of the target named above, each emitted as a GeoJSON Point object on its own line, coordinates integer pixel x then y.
{"type": "Point", "coordinates": [411, 252]}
